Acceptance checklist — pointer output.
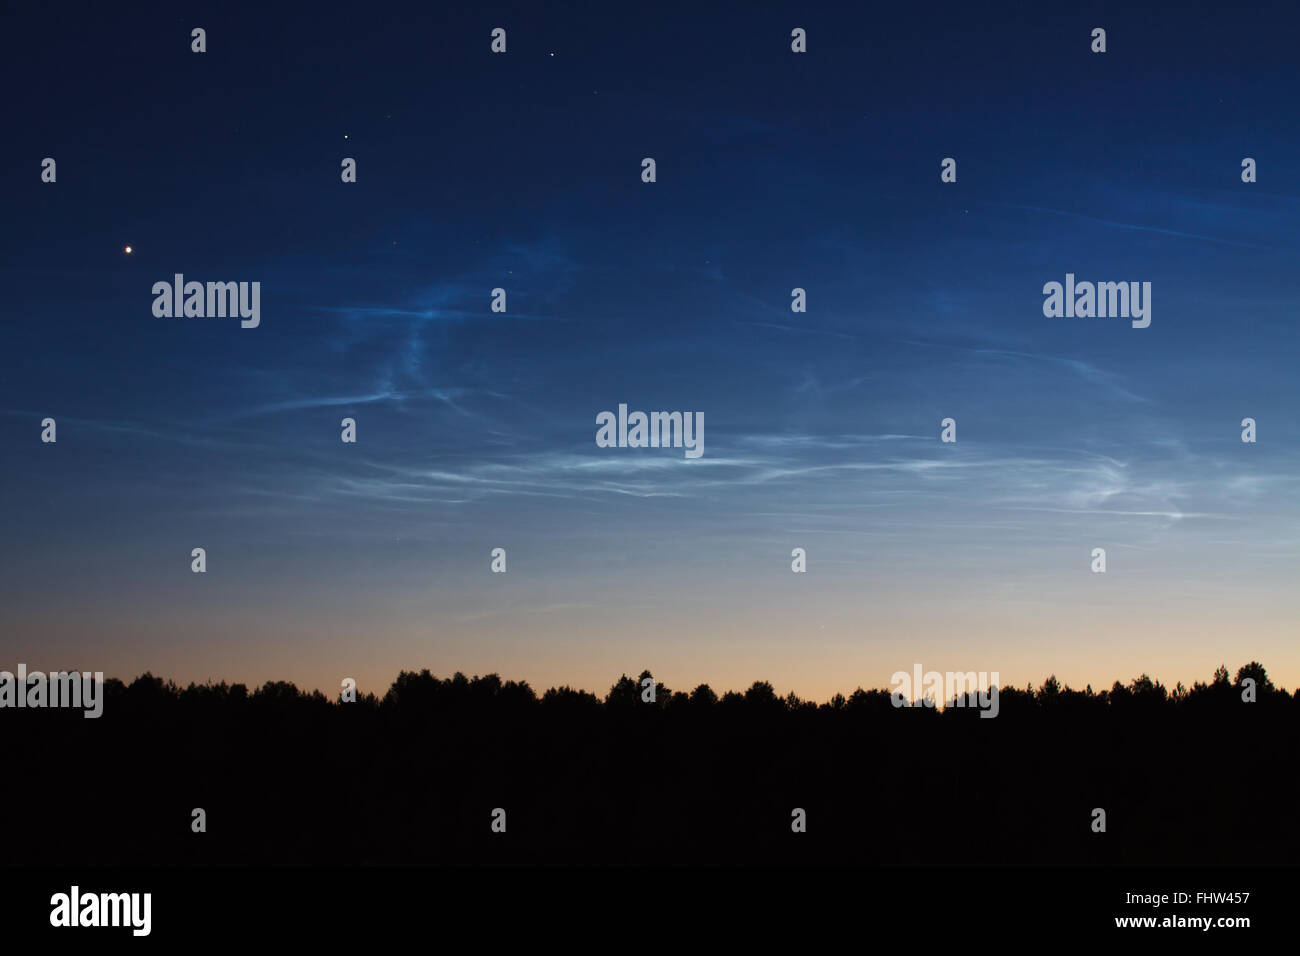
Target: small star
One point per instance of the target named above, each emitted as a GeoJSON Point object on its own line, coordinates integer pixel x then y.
{"type": "Point", "coordinates": [127, 250]}
{"type": "Point", "coordinates": [552, 54]}
{"type": "Point", "coordinates": [345, 135]}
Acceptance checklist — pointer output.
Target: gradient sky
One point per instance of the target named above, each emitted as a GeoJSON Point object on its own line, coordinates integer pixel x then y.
{"type": "Point", "coordinates": [476, 430]}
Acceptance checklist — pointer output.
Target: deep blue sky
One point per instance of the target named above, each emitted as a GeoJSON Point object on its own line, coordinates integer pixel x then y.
{"type": "Point", "coordinates": [476, 430]}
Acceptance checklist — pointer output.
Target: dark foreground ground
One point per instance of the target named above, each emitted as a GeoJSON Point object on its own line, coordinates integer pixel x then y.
{"type": "Point", "coordinates": [285, 777]}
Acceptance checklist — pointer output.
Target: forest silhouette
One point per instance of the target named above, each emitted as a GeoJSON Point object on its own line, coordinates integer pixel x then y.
{"type": "Point", "coordinates": [1185, 775]}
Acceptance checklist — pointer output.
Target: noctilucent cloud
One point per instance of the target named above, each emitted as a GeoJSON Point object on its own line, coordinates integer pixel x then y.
{"type": "Point", "coordinates": [476, 429]}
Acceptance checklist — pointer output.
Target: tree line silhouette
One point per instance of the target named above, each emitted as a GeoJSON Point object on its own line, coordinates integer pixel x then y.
{"type": "Point", "coordinates": [1185, 775]}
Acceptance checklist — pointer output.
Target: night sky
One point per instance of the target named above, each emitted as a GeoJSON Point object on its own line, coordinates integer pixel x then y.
{"type": "Point", "coordinates": [476, 430]}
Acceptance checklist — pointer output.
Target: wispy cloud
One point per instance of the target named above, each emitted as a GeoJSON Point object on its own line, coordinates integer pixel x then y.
{"type": "Point", "coordinates": [1134, 227]}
